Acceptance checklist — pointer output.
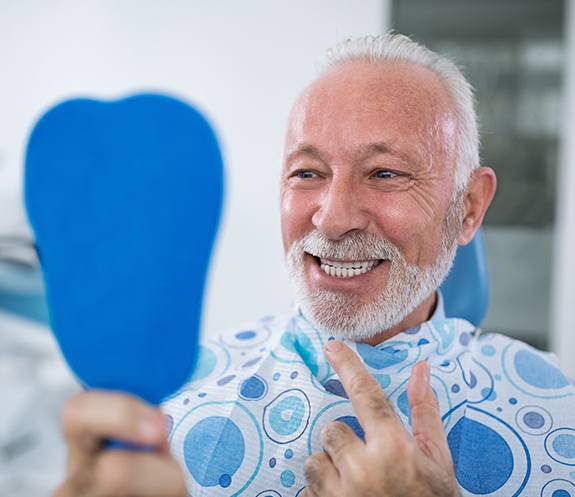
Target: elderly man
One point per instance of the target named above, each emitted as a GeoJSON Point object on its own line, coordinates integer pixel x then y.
{"type": "Point", "coordinates": [380, 184]}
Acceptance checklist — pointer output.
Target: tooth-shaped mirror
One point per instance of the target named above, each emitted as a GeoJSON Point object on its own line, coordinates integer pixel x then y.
{"type": "Point", "coordinates": [124, 198]}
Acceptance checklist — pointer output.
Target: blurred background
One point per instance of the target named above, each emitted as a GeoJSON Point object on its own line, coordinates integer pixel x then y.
{"type": "Point", "coordinates": [242, 64]}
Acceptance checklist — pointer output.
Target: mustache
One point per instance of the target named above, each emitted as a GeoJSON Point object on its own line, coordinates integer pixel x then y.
{"type": "Point", "coordinates": [355, 246]}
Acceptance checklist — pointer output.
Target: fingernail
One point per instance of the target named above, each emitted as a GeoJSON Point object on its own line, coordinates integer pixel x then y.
{"type": "Point", "coordinates": [427, 373]}
{"type": "Point", "coordinates": [333, 346]}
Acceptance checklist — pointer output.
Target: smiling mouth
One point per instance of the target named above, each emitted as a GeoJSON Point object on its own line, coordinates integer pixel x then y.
{"type": "Point", "coordinates": [346, 269]}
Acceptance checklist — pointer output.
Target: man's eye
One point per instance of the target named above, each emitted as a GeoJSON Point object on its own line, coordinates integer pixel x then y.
{"type": "Point", "coordinates": [384, 174]}
{"type": "Point", "coordinates": [305, 174]}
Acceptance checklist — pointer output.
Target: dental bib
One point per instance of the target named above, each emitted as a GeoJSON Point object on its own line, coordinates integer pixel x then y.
{"type": "Point", "coordinates": [261, 394]}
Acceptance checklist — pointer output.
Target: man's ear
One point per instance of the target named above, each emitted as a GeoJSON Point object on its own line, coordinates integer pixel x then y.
{"type": "Point", "coordinates": [478, 196]}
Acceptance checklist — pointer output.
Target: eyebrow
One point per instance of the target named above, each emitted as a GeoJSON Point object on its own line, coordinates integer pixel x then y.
{"type": "Point", "coordinates": [305, 149]}
{"type": "Point", "coordinates": [377, 148]}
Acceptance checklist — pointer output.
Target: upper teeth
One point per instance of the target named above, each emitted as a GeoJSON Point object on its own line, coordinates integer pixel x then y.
{"type": "Point", "coordinates": [346, 269]}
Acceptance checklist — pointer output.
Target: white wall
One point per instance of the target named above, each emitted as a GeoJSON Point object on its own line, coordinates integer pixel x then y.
{"type": "Point", "coordinates": [242, 62]}
{"type": "Point", "coordinates": [563, 294]}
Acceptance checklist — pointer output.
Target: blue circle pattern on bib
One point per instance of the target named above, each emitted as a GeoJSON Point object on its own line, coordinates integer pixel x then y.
{"type": "Point", "coordinates": [253, 411]}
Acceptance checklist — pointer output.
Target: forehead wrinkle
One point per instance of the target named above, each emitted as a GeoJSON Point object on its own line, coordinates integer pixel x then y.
{"type": "Point", "coordinates": [363, 151]}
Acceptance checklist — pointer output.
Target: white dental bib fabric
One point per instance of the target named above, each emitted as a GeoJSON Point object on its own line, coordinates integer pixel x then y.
{"type": "Point", "coordinates": [261, 394]}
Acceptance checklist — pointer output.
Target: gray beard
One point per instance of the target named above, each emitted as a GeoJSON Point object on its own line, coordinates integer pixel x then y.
{"type": "Point", "coordinates": [347, 316]}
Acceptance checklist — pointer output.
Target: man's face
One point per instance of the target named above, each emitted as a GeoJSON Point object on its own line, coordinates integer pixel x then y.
{"type": "Point", "coordinates": [367, 183]}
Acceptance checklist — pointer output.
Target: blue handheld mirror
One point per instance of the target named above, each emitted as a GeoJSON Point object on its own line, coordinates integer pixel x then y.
{"type": "Point", "coordinates": [124, 198]}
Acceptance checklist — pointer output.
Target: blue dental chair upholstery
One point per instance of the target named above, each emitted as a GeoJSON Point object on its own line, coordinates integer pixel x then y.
{"type": "Point", "coordinates": [466, 288]}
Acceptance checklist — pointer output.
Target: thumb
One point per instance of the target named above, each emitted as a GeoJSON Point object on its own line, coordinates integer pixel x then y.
{"type": "Point", "coordinates": [427, 426]}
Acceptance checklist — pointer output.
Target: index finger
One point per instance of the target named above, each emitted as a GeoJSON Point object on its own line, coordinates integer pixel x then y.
{"type": "Point", "coordinates": [371, 405]}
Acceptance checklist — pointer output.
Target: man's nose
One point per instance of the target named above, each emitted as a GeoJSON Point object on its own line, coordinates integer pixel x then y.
{"type": "Point", "coordinates": [340, 211]}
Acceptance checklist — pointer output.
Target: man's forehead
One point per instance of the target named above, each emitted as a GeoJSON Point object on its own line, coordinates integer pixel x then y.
{"type": "Point", "coordinates": [375, 97]}
{"type": "Point", "coordinates": [363, 90]}
{"type": "Point", "coordinates": [395, 79]}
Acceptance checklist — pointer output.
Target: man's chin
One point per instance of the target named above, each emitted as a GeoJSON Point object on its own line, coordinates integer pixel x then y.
{"type": "Point", "coordinates": [341, 331]}
{"type": "Point", "coordinates": [337, 316]}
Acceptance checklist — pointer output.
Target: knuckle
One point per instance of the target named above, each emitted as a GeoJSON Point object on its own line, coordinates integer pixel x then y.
{"type": "Point", "coordinates": [330, 434]}
{"type": "Point", "coordinates": [372, 396]}
{"type": "Point", "coordinates": [75, 421]}
{"type": "Point", "coordinates": [362, 384]}
{"type": "Point", "coordinates": [336, 436]}
{"type": "Point", "coordinates": [124, 407]}
{"type": "Point", "coordinates": [312, 466]}
{"type": "Point", "coordinates": [379, 404]}
{"type": "Point", "coordinates": [72, 410]}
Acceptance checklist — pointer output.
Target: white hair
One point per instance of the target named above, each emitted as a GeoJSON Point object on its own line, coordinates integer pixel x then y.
{"type": "Point", "coordinates": [396, 47]}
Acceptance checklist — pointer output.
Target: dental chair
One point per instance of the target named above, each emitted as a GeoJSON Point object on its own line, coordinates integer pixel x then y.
{"type": "Point", "coordinates": [466, 288]}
